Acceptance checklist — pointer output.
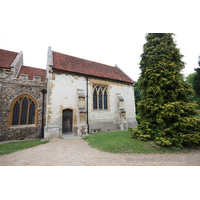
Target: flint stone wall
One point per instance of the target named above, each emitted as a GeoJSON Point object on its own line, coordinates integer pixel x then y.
{"type": "Point", "coordinates": [10, 89]}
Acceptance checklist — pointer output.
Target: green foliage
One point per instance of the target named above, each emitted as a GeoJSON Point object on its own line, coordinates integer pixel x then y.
{"type": "Point", "coordinates": [166, 114]}
{"type": "Point", "coordinates": [190, 78]}
{"type": "Point", "coordinates": [10, 147]}
{"type": "Point", "coordinates": [196, 82]}
{"type": "Point", "coordinates": [138, 94]}
{"type": "Point", "coordinates": [138, 118]}
{"type": "Point", "coordinates": [120, 142]}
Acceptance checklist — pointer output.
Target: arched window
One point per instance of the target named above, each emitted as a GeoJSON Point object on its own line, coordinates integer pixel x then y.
{"type": "Point", "coordinates": [100, 100]}
{"type": "Point", "coordinates": [95, 99]}
{"type": "Point", "coordinates": [23, 111]}
{"type": "Point", "coordinates": [105, 100]}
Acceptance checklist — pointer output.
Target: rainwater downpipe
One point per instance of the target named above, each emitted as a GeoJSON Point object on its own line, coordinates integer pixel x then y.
{"type": "Point", "coordinates": [87, 102]}
{"type": "Point", "coordinates": [42, 129]}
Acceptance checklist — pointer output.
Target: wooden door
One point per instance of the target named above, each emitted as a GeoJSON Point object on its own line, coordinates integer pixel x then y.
{"type": "Point", "coordinates": [67, 121]}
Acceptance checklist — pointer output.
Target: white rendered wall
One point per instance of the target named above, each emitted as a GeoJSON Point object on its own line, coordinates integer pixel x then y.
{"type": "Point", "coordinates": [112, 114]}
{"type": "Point", "coordinates": [62, 95]}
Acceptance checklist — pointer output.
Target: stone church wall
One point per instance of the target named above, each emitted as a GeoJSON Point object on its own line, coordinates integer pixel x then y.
{"type": "Point", "coordinates": [10, 89]}
{"type": "Point", "coordinates": [62, 89]}
{"type": "Point", "coordinates": [63, 95]}
{"type": "Point", "coordinates": [111, 119]}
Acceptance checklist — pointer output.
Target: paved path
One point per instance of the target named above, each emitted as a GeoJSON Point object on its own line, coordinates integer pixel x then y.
{"type": "Point", "coordinates": [76, 152]}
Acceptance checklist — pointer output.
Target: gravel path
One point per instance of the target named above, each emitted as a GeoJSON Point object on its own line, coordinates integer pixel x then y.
{"type": "Point", "coordinates": [76, 152]}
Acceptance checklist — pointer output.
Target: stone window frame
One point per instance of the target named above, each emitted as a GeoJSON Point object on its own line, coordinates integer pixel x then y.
{"type": "Point", "coordinates": [10, 117]}
{"type": "Point", "coordinates": [103, 89]}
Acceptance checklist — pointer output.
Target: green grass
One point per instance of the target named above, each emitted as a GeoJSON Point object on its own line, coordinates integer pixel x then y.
{"type": "Point", "coordinates": [10, 147]}
{"type": "Point", "coordinates": [120, 142]}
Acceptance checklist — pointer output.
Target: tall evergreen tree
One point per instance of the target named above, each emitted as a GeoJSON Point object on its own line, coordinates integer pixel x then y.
{"type": "Point", "coordinates": [138, 95]}
{"type": "Point", "coordinates": [166, 115]}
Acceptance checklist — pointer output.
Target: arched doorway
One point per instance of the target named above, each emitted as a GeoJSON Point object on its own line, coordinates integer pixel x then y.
{"type": "Point", "coordinates": [67, 121]}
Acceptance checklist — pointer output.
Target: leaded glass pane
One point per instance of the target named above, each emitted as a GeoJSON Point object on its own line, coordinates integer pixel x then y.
{"type": "Point", "coordinates": [15, 119]}
{"type": "Point", "coordinates": [105, 100]}
{"type": "Point", "coordinates": [24, 111]}
{"type": "Point", "coordinates": [95, 100]}
{"type": "Point", "coordinates": [31, 114]}
{"type": "Point", "coordinates": [100, 99]}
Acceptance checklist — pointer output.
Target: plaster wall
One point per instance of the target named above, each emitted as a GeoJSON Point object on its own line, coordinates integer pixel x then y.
{"type": "Point", "coordinates": [63, 95]}
{"type": "Point", "coordinates": [62, 89]}
{"type": "Point", "coordinates": [109, 120]}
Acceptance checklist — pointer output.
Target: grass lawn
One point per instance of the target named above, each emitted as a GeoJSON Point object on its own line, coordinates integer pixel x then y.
{"type": "Point", "coordinates": [10, 147]}
{"type": "Point", "coordinates": [120, 142]}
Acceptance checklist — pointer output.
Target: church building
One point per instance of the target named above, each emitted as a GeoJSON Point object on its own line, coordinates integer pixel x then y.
{"type": "Point", "coordinates": [72, 95]}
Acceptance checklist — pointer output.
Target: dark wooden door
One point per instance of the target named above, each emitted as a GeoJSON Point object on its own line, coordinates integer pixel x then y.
{"type": "Point", "coordinates": [67, 121]}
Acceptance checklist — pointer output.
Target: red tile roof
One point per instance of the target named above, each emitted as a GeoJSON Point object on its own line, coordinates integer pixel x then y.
{"type": "Point", "coordinates": [6, 58]}
{"type": "Point", "coordinates": [78, 65]}
{"type": "Point", "coordinates": [31, 71]}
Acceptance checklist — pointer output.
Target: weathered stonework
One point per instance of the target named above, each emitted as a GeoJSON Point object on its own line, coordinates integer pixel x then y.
{"type": "Point", "coordinates": [68, 90]}
{"type": "Point", "coordinates": [10, 89]}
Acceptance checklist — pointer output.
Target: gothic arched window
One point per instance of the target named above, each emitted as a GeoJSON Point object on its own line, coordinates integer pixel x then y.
{"type": "Point", "coordinates": [23, 111]}
{"type": "Point", "coordinates": [100, 100]}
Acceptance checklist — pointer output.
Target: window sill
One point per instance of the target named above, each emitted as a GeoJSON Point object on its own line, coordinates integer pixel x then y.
{"type": "Point", "coordinates": [100, 110]}
{"type": "Point", "coordinates": [22, 126]}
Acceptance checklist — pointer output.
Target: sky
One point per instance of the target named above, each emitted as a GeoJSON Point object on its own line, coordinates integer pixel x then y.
{"type": "Point", "coordinates": [108, 32]}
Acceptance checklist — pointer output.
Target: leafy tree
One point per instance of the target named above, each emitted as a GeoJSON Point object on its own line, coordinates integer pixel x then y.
{"type": "Point", "coordinates": [196, 82]}
{"type": "Point", "coordinates": [166, 115]}
{"type": "Point", "coordinates": [190, 78]}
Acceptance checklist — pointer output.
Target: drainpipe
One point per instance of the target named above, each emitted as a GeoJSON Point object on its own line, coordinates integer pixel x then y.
{"type": "Point", "coordinates": [42, 129]}
{"type": "Point", "coordinates": [87, 102]}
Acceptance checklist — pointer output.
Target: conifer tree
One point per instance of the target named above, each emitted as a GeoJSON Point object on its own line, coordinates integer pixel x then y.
{"type": "Point", "coordinates": [166, 115]}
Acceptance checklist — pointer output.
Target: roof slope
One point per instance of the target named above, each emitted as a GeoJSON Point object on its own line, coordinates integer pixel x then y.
{"type": "Point", "coordinates": [31, 71]}
{"type": "Point", "coordinates": [82, 66]}
{"type": "Point", "coordinates": [6, 58]}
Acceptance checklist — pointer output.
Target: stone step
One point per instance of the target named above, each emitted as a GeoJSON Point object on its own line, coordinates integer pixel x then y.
{"type": "Point", "coordinates": [69, 136]}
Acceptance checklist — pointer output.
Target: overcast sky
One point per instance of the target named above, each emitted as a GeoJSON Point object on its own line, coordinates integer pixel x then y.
{"type": "Point", "coordinates": [109, 32]}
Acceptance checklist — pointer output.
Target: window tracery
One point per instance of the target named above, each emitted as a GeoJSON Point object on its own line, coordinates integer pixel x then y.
{"type": "Point", "coordinates": [100, 97]}
{"type": "Point", "coordinates": [23, 111]}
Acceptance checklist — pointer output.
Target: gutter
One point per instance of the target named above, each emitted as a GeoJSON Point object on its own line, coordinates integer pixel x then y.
{"type": "Point", "coordinates": [87, 103]}
{"type": "Point", "coordinates": [42, 129]}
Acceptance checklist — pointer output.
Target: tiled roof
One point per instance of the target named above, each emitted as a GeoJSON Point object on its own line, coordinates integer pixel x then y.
{"type": "Point", "coordinates": [6, 58]}
{"type": "Point", "coordinates": [82, 66]}
{"type": "Point", "coordinates": [31, 71]}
